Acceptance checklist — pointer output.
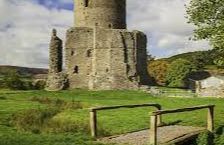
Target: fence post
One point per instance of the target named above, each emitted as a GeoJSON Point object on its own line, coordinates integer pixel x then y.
{"type": "Point", "coordinates": [153, 130]}
{"type": "Point", "coordinates": [210, 119]}
{"type": "Point", "coordinates": [93, 123]}
{"type": "Point", "coordinates": [159, 117]}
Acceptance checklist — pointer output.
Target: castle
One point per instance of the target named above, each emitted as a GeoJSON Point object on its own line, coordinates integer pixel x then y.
{"type": "Point", "coordinates": [100, 53]}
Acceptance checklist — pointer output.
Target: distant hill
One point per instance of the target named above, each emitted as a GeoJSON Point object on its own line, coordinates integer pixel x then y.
{"type": "Point", "coordinates": [24, 71]}
{"type": "Point", "coordinates": [206, 56]}
{"type": "Point", "coordinates": [187, 55]}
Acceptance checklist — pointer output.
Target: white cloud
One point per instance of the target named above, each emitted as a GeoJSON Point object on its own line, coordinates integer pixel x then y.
{"type": "Point", "coordinates": [25, 28]}
{"type": "Point", "coordinates": [165, 23]}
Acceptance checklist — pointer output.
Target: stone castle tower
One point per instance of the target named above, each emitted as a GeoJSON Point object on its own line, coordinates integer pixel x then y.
{"type": "Point", "coordinates": [101, 54]}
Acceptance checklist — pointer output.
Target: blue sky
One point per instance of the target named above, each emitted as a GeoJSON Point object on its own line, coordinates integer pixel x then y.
{"type": "Point", "coordinates": [25, 28]}
{"type": "Point", "coordinates": [58, 4]}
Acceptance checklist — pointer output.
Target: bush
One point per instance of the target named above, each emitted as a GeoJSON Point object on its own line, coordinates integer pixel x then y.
{"type": "Point", "coordinates": [178, 72]}
{"type": "Point", "coordinates": [205, 138]}
{"type": "Point", "coordinates": [66, 126]}
{"type": "Point", "coordinates": [33, 120]}
{"type": "Point", "coordinates": [45, 120]}
{"type": "Point", "coordinates": [42, 100]}
{"type": "Point", "coordinates": [219, 140]}
{"type": "Point", "coordinates": [18, 138]}
{"type": "Point", "coordinates": [3, 98]}
{"type": "Point", "coordinates": [157, 70]}
{"type": "Point", "coordinates": [12, 81]}
{"type": "Point", "coordinates": [39, 84]}
{"type": "Point", "coordinates": [59, 103]}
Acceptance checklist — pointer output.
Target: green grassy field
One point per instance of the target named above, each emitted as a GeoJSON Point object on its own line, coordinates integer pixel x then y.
{"type": "Point", "coordinates": [70, 126]}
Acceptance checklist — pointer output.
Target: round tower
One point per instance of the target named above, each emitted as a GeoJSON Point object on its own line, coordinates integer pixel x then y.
{"type": "Point", "coordinates": [100, 13]}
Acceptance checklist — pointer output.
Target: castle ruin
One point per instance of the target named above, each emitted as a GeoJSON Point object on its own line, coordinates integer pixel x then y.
{"type": "Point", "coordinates": [100, 53]}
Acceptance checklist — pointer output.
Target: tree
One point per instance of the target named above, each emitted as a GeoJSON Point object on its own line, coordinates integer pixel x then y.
{"type": "Point", "coordinates": [219, 60]}
{"type": "Point", "coordinates": [208, 17]}
{"type": "Point", "coordinates": [12, 80]}
{"type": "Point", "coordinates": [157, 70]}
{"type": "Point", "coordinates": [178, 72]}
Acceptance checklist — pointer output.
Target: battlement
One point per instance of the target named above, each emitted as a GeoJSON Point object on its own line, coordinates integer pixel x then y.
{"type": "Point", "coordinates": [100, 13]}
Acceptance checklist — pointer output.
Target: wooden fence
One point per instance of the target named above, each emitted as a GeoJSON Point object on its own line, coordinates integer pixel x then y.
{"type": "Point", "coordinates": [93, 114]}
{"type": "Point", "coordinates": [153, 125]}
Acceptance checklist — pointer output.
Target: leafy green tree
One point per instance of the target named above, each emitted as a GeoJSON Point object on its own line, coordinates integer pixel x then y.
{"type": "Point", "coordinates": [12, 80]}
{"type": "Point", "coordinates": [219, 60]}
{"type": "Point", "coordinates": [157, 70]}
{"type": "Point", "coordinates": [208, 17]}
{"type": "Point", "coordinates": [178, 72]}
{"type": "Point", "coordinates": [199, 60]}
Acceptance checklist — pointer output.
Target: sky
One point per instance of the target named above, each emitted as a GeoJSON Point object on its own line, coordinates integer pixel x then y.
{"type": "Point", "coordinates": [25, 28]}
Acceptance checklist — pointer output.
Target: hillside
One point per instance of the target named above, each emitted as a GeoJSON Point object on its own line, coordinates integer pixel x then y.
{"type": "Point", "coordinates": [24, 71]}
{"type": "Point", "coordinates": [206, 56]}
{"type": "Point", "coordinates": [188, 55]}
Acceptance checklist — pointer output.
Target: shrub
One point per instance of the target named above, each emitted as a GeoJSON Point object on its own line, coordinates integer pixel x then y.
{"type": "Point", "coordinates": [178, 72]}
{"type": "Point", "coordinates": [27, 85]}
{"type": "Point", "coordinates": [45, 120]}
{"type": "Point", "coordinates": [3, 98]}
{"type": "Point", "coordinates": [42, 100]}
{"type": "Point", "coordinates": [157, 70]}
{"type": "Point", "coordinates": [66, 126]}
{"type": "Point", "coordinates": [69, 105]}
{"type": "Point", "coordinates": [219, 140]}
{"type": "Point", "coordinates": [33, 120]}
{"type": "Point", "coordinates": [12, 80]}
{"type": "Point", "coordinates": [205, 138]}
{"type": "Point", "coordinates": [39, 84]}
{"type": "Point", "coordinates": [59, 103]}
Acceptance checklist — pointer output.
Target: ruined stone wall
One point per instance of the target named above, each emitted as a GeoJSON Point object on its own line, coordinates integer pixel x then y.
{"type": "Point", "coordinates": [107, 58]}
{"type": "Point", "coordinates": [100, 13]}
{"type": "Point", "coordinates": [100, 53]}
{"type": "Point", "coordinates": [79, 45]}
{"type": "Point", "coordinates": [55, 49]}
{"type": "Point", "coordinates": [56, 79]}
{"type": "Point", "coordinates": [141, 56]}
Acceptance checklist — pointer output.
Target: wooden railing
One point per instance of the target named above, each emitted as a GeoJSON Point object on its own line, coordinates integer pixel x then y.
{"type": "Point", "coordinates": [93, 114]}
{"type": "Point", "coordinates": [154, 115]}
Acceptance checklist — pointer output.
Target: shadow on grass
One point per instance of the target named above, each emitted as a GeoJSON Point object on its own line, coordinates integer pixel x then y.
{"type": "Point", "coordinates": [3, 98]}
{"type": "Point", "coordinates": [220, 130]}
{"type": "Point", "coordinates": [172, 123]}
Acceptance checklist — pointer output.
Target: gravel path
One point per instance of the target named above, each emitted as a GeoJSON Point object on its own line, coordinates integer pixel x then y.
{"type": "Point", "coordinates": [165, 134]}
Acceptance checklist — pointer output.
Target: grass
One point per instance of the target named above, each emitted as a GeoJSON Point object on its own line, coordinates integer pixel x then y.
{"type": "Point", "coordinates": [68, 126]}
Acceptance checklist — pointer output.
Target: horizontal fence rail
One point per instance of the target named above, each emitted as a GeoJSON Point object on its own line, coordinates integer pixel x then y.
{"type": "Point", "coordinates": [179, 110]}
{"type": "Point", "coordinates": [93, 114]}
{"type": "Point", "coordinates": [153, 125]}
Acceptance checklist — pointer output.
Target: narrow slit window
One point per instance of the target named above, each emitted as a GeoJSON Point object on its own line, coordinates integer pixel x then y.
{"type": "Point", "coordinates": [76, 70]}
{"type": "Point", "coordinates": [86, 3]}
{"type": "Point", "coordinates": [89, 53]}
{"type": "Point", "coordinates": [72, 53]}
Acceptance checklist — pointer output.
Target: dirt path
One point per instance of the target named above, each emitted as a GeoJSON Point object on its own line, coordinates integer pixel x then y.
{"type": "Point", "coordinates": [165, 134]}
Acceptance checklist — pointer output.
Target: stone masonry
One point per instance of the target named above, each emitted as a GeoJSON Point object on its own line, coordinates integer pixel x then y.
{"type": "Point", "coordinates": [55, 64]}
{"type": "Point", "coordinates": [56, 78]}
{"type": "Point", "coordinates": [100, 53]}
